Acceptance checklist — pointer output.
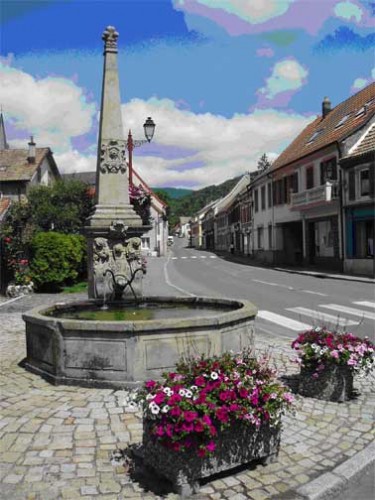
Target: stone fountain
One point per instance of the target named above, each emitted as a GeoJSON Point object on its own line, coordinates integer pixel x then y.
{"type": "Point", "coordinates": [117, 337]}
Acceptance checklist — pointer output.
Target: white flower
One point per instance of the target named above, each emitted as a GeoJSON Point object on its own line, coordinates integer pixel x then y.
{"type": "Point", "coordinates": [155, 409]}
{"type": "Point", "coordinates": [165, 409]}
{"type": "Point", "coordinates": [214, 376]}
{"type": "Point", "coordinates": [188, 393]}
{"type": "Point", "coordinates": [167, 391]}
{"type": "Point", "coordinates": [182, 392]}
{"type": "Point", "coordinates": [194, 387]}
{"type": "Point", "coordinates": [149, 396]}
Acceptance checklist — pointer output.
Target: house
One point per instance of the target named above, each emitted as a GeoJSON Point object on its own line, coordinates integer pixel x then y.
{"type": "Point", "coordinates": [154, 241]}
{"type": "Point", "coordinates": [306, 213]}
{"type": "Point", "coordinates": [21, 169]}
{"type": "Point", "coordinates": [227, 224]}
{"type": "Point", "coordinates": [358, 166]}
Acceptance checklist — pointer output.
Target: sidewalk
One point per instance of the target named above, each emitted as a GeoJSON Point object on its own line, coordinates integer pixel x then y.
{"type": "Point", "coordinates": [58, 442]}
{"type": "Point", "coordinates": [310, 271]}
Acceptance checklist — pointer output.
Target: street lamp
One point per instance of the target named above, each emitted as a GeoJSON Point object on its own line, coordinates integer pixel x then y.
{"type": "Point", "coordinates": [149, 129]}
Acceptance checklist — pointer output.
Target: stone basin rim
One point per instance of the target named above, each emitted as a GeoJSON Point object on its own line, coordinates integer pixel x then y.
{"type": "Point", "coordinates": [241, 309]}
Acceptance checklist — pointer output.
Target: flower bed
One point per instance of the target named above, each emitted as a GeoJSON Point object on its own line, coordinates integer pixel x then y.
{"type": "Point", "coordinates": [328, 362]}
{"type": "Point", "coordinates": [212, 414]}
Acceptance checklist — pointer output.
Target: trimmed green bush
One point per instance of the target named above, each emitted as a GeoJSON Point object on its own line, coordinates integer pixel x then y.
{"type": "Point", "coordinates": [56, 260]}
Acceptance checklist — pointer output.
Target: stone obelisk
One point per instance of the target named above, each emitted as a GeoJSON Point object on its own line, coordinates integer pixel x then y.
{"type": "Point", "coordinates": [114, 222]}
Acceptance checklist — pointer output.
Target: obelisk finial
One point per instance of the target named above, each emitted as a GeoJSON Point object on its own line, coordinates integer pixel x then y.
{"type": "Point", "coordinates": [110, 36]}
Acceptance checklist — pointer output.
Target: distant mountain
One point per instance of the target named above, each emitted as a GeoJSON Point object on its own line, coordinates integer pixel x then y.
{"type": "Point", "coordinates": [189, 204]}
{"type": "Point", "coordinates": [174, 193]}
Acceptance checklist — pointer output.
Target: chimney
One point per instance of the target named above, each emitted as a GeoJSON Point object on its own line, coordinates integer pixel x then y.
{"type": "Point", "coordinates": [31, 156]}
{"type": "Point", "coordinates": [326, 107]}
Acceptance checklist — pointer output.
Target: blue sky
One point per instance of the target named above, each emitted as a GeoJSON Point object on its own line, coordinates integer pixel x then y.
{"type": "Point", "coordinates": [224, 80]}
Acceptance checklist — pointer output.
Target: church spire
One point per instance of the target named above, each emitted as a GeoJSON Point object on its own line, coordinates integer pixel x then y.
{"type": "Point", "coordinates": [3, 138]}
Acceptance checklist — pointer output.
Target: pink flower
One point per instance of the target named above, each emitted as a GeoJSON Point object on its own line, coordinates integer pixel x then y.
{"type": "Point", "coordinates": [206, 419]}
{"type": "Point", "coordinates": [174, 399]}
{"type": "Point", "coordinates": [201, 452]}
{"type": "Point", "coordinates": [352, 361]}
{"type": "Point", "coordinates": [198, 427]}
{"type": "Point", "coordinates": [200, 381]}
{"type": "Point", "coordinates": [213, 430]}
{"type": "Point", "coordinates": [225, 395]}
{"type": "Point", "coordinates": [188, 427]}
{"type": "Point", "coordinates": [287, 396]}
{"type": "Point", "coordinates": [211, 446]}
{"type": "Point", "coordinates": [175, 411]}
{"type": "Point", "coordinates": [150, 384]}
{"type": "Point", "coordinates": [315, 375]}
{"type": "Point", "coordinates": [335, 354]}
{"type": "Point", "coordinates": [159, 430]}
{"type": "Point", "coordinates": [222, 414]}
{"type": "Point", "coordinates": [243, 392]}
{"type": "Point", "coordinates": [159, 398]}
{"type": "Point", "coordinates": [190, 416]}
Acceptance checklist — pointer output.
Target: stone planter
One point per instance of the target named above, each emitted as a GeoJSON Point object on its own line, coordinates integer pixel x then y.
{"type": "Point", "coordinates": [334, 383]}
{"type": "Point", "coordinates": [239, 445]}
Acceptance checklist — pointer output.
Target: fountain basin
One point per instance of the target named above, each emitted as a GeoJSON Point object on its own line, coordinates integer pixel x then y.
{"type": "Point", "coordinates": [117, 354]}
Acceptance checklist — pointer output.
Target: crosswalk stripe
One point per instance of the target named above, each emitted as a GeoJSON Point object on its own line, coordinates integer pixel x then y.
{"type": "Point", "coordinates": [194, 257]}
{"type": "Point", "coordinates": [365, 303]}
{"type": "Point", "coordinates": [283, 321]}
{"type": "Point", "coordinates": [203, 257]}
{"type": "Point", "coordinates": [349, 310]}
{"type": "Point", "coordinates": [183, 257]}
{"type": "Point", "coordinates": [174, 258]}
{"type": "Point", "coordinates": [213, 257]}
{"type": "Point", "coordinates": [319, 316]}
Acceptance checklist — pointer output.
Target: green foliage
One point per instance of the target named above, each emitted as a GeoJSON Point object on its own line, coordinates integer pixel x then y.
{"type": "Point", "coordinates": [64, 206]}
{"type": "Point", "coordinates": [174, 193]}
{"type": "Point", "coordinates": [263, 163]}
{"type": "Point", "coordinates": [56, 259]}
{"type": "Point", "coordinates": [190, 204]}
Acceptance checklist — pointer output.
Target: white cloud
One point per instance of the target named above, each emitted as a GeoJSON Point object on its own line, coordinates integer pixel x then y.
{"type": "Point", "coordinates": [361, 82]}
{"type": "Point", "coordinates": [53, 109]}
{"type": "Point", "coordinates": [287, 75]}
{"type": "Point", "coordinates": [73, 161]}
{"type": "Point", "coordinates": [254, 11]}
{"type": "Point", "coordinates": [348, 10]}
{"type": "Point", "coordinates": [226, 147]}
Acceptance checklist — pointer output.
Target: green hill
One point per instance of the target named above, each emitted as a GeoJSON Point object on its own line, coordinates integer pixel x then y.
{"type": "Point", "coordinates": [175, 193]}
{"type": "Point", "coordinates": [189, 204]}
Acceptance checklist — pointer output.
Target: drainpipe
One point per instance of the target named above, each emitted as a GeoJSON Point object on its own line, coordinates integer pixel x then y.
{"type": "Point", "coordinates": [341, 208]}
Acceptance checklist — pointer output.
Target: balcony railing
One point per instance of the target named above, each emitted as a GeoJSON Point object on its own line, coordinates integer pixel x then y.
{"type": "Point", "coordinates": [325, 193]}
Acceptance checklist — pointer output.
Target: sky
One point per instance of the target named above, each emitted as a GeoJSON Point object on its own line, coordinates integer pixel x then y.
{"type": "Point", "coordinates": [224, 80]}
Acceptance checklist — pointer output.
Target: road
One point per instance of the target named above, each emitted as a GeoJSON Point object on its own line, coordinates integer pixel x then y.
{"type": "Point", "coordinates": [287, 303]}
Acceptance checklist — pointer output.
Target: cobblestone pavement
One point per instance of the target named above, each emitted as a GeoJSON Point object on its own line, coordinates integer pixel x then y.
{"type": "Point", "coordinates": [57, 442]}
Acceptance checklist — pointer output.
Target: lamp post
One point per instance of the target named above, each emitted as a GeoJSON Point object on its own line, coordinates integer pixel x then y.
{"type": "Point", "coordinates": [149, 129]}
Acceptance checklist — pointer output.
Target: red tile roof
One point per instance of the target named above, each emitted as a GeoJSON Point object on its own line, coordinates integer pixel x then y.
{"type": "Point", "coordinates": [340, 122]}
{"type": "Point", "coordinates": [366, 145]}
{"type": "Point", "coordinates": [14, 165]}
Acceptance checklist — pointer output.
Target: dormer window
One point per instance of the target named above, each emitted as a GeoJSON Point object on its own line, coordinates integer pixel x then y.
{"type": "Point", "coordinates": [343, 120]}
{"type": "Point", "coordinates": [314, 136]}
{"type": "Point", "coordinates": [361, 111]}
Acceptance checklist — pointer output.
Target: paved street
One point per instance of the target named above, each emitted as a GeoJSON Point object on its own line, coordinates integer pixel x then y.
{"type": "Point", "coordinates": [57, 442]}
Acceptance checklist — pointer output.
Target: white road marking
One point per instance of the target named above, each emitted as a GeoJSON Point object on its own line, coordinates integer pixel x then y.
{"type": "Point", "coordinates": [213, 257]}
{"type": "Point", "coordinates": [274, 284]}
{"type": "Point", "coordinates": [365, 303]}
{"type": "Point", "coordinates": [194, 257]}
{"type": "Point", "coordinates": [174, 258]}
{"type": "Point", "coordinates": [319, 316]}
{"type": "Point", "coordinates": [183, 257]}
{"type": "Point", "coordinates": [167, 280]}
{"type": "Point", "coordinates": [349, 310]}
{"type": "Point", "coordinates": [315, 293]}
{"type": "Point", "coordinates": [283, 321]}
{"type": "Point", "coordinates": [12, 300]}
{"type": "Point", "coordinates": [203, 257]}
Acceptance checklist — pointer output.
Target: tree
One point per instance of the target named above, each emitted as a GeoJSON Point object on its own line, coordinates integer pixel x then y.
{"type": "Point", "coordinates": [264, 163]}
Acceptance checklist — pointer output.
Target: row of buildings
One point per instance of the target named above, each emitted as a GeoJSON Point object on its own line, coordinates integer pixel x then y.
{"type": "Point", "coordinates": [314, 206]}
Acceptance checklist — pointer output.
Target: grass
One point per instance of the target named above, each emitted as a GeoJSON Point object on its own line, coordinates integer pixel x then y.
{"type": "Point", "coordinates": [77, 287]}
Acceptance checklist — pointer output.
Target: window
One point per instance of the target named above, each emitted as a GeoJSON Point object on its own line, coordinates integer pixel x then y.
{"type": "Point", "coordinates": [328, 171]}
{"type": "Point", "coordinates": [314, 136]}
{"type": "Point", "coordinates": [365, 182]}
{"type": "Point", "coordinates": [294, 182]}
{"type": "Point", "coordinates": [260, 237]}
{"type": "Point", "coordinates": [263, 197]}
{"type": "Point", "coordinates": [269, 194]}
{"type": "Point", "coordinates": [309, 177]}
{"type": "Point", "coordinates": [256, 202]}
{"type": "Point", "coordinates": [145, 243]}
{"type": "Point", "coordinates": [270, 237]}
{"type": "Point", "coordinates": [364, 239]}
{"type": "Point", "coordinates": [343, 120]}
{"type": "Point", "coordinates": [351, 178]}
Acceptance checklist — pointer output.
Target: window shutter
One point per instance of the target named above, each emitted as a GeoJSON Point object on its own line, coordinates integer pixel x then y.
{"type": "Point", "coordinates": [352, 184]}
{"type": "Point", "coordinates": [371, 179]}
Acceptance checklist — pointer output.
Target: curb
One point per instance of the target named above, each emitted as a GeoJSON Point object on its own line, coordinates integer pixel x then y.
{"type": "Point", "coordinates": [317, 274]}
{"type": "Point", "coordinates": [331, 484]}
